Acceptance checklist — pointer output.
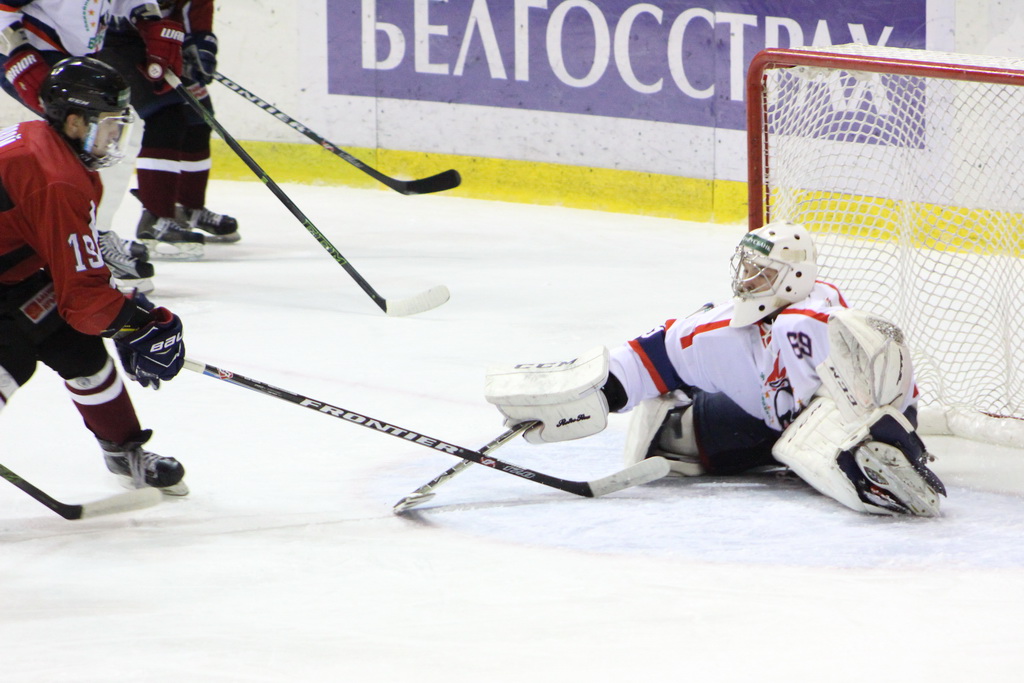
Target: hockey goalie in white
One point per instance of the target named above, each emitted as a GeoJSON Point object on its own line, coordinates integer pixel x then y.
{"type": "Point", "coordinates": [784, 373]}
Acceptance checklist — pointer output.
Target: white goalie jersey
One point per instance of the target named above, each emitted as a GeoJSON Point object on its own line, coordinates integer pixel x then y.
{"type": "Point", "coordinates": [769, 370]}
{"type": "Point", "coordinates": [76, 27]}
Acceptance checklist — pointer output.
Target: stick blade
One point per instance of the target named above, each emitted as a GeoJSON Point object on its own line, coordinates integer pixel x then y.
{"type": "Point", "coordinates": [642, 472]}
{"type": "Point", "coordinates": [445, 180]}
{"type": "Point", "coordinates": [134, 499]}
{"type": "Point", "coordinates": [411, 501]}
{"type": "Point", "coordinates": [430, 299]}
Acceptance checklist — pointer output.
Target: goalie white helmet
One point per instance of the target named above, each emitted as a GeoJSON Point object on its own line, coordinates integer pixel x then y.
{"type": "Point", "coordinates": [773, 266]}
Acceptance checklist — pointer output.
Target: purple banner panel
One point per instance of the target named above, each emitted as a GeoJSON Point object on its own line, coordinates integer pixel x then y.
{"type": "Point", "coordinates": [678, 61]}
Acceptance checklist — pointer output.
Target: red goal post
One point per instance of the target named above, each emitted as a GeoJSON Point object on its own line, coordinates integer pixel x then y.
{"type": "Point", "coordinates": [907, 166]}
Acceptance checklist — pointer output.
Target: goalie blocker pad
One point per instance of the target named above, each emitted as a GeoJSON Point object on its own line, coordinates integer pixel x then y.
{"type": "Point", "coordinates": [564, 396]}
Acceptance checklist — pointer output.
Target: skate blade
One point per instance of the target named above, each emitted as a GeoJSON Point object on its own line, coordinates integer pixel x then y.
{"type": "Point", "coordinates": [176, 491]}
{"type": "Point", "coordinates": [174, 251]}
{"type": "Point", "coordinates": [229, 238]}
{"type": "Point", "coordinates": [140, 286]}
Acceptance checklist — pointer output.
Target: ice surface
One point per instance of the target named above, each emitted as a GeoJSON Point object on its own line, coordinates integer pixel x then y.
{"type": "Point", "coordinates": [286, 563]}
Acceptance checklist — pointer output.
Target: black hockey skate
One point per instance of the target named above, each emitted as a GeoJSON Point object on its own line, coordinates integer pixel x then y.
{"type": "Point", "coordinates": [167, 239]}
{"type": "Point", "coordinates": [139, 467]}
{"type": "Point", "coordinates": [221, 228]}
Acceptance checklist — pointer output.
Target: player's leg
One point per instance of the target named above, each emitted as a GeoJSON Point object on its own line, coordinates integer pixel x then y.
{"type": "Point", "coordinates": [708, 435]}
{"type": "Point", "coordinates": [195, 175]}
{"type": "Point", "coordinates": [158, 163]}
{"type": "Point", "coordinates": [17, 356]}
{"type": "Point", "coordinates": [158, 170]}
{"type": "Point", "coordinates": [102, 399]}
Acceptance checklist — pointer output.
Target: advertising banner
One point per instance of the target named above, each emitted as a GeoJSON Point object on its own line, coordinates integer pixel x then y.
{"type": "Point", "coordinates": [674, 61]}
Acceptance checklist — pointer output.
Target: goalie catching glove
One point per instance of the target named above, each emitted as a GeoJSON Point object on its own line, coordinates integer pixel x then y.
{"type": "Point", "coordinates": [564, 397]}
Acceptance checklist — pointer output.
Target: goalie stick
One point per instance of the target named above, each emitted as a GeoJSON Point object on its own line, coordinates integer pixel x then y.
{"type": "Point", "coordinates": [634, 475]}
{"type": "Point", "coordinates": [446, 180]}
{"type": "Point", "coordinates": [121, 502]}
{"type": "Point", "coordinates": [425, 301]}
{"type": "Point", "coordinates": [426, 492]}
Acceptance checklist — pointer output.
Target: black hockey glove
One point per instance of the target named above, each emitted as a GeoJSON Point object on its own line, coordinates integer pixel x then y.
{"type": "Point", "coordinates": [155, 352]}
{"type": "Point", "coordinates": [200, 54]}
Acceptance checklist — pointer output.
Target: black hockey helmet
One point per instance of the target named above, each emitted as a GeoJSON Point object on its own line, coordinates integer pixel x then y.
{"type": "Point", "coordinates": [89, 88]}
{"type": "Point", "coordinates": [83, 85]}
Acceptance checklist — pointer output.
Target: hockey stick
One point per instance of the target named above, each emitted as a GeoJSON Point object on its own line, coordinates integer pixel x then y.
{"type": "Point", "coordinates": [121, 502]}
{"type": "Point", "coordinates": [432, 298]}
{"type": "Point", "coordinates": [426, 492]}
{"type": "Point", "coordinates": [446, 180]}
{"type": "Point", "coordinates": [640, 473]}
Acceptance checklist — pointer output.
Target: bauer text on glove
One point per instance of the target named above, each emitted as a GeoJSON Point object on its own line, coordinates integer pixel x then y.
{"type": "Point", "coordinates": [155, 352]}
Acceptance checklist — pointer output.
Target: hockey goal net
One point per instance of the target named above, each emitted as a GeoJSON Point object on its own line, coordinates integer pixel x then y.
{"type": "Point", "coordinates": [904, 164]}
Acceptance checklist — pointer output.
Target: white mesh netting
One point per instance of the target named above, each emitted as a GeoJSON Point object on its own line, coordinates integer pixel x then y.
{"type": "Point", "coordinates": [911, 187]}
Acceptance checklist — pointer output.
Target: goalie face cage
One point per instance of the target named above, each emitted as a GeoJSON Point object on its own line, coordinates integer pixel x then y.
{"type": "Point", "coordinates": [903, 164]}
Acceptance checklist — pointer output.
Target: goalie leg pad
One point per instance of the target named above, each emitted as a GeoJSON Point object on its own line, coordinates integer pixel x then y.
{"type": "Point", "coordinates": [677, 443]}
{"type": "Point", "coordinates": [565, 397]}
{"type": "Point", "coordinates": [810, 447]}
{"type": "Point", "coordinates": [644, 422]}
{"type": "Point", "coordinates": [664, 426]}
{"type": "Point", "coordinates": [868, 365]}
{"type": "Point", "coordinates": [845, 461]}
{"type": "Point", "coordinates": [710, 435]}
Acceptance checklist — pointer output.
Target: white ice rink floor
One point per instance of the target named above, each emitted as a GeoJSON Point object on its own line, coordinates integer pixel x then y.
{"type": "Point", "coordinates": [287, 564]}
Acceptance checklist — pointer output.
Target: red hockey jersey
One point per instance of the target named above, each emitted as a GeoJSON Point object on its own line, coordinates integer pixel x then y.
{"type": "Point", "coordinates": [48, 201]}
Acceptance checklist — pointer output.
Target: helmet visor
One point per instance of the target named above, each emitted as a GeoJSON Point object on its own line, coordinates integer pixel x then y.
{"type": "Point", "coordinates": [753, 274]}
{"type": "Point", "coordinates": [106, 141]}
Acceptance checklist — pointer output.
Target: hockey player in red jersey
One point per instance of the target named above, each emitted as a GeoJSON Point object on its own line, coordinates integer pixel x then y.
{"type": "Point", "coordinates": [56, 301]}
{"type": "Point", "coordinates": [783, 373]}
{"type": "Point", "coordinates": [39, 33]}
